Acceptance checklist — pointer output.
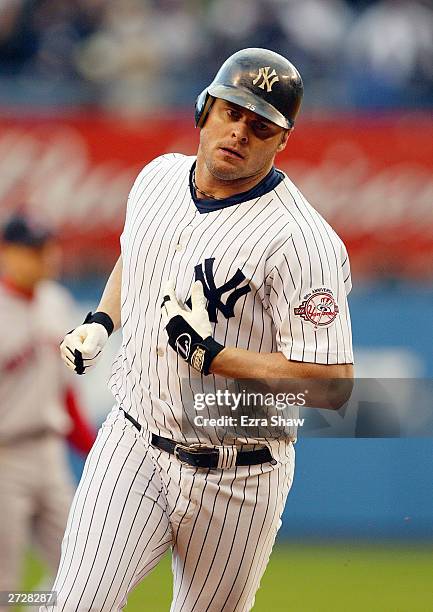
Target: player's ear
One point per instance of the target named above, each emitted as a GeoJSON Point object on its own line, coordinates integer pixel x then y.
{"type": "Point", "coordinates": [283, 142]}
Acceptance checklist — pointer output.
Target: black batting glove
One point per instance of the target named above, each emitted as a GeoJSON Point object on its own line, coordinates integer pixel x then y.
{"type": "Point", "coordinates": [189, 331]}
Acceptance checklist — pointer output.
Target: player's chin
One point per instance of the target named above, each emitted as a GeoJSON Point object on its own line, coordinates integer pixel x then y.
{"type": "Point", "coordinates": [225, 170]}
{"type": "Point", "coordinates": [230, 176]}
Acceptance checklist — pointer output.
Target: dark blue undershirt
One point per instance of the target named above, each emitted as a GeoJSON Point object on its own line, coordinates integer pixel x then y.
{"type": "Point", "coordinates": [271, 180]}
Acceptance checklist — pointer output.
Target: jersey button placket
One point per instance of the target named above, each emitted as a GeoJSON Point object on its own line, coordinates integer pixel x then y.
{"type": "Point", "coordinates": [184, 236]}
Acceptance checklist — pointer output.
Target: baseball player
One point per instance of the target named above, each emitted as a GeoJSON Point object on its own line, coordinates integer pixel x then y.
{"type": "Point", "coordinates": [38, 407]}
{"type": "Point", "coordinates": [226, 272]}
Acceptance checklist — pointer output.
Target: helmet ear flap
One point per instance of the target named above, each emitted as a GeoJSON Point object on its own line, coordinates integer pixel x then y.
{"type": "Point", "coordinates": [203, 104]}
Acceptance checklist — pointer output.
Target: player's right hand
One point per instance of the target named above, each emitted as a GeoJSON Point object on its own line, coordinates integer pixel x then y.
{"type": "Point", "coordinates": [82, 347]}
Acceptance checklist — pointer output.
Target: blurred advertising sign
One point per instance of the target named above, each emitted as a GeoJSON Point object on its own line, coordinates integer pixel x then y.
{"type": "Point", "coordinates": [371, 178]}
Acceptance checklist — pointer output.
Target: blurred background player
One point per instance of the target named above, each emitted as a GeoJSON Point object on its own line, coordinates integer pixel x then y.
{"type": "Point", "coordinates": [38, 407]}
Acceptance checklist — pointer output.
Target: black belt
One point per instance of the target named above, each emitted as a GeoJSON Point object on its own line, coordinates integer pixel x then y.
{"type": "Point", "coordinates": [204, 457]}
{"type": "Point", "coordinates": [131, 420]}
{"type": "Point", "coordinates": [207, 457]}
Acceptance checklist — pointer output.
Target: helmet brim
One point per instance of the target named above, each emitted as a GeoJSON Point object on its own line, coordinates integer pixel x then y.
{"type": "Point", "coordinates": [246, 99]}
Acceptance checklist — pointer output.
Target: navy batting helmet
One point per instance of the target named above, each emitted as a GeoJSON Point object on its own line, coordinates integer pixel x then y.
{"type": "Point", "coordinates": [257, 79]}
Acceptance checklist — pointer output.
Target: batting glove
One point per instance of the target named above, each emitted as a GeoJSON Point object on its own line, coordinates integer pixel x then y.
{"type": "Point", "coordinates": [82, 347]}
{"type": "Point", "coordinates": [189, 331]}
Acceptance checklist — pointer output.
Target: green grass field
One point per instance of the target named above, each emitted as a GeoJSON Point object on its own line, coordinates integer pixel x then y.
{"type": "Point", "coordinates": [316, 578]}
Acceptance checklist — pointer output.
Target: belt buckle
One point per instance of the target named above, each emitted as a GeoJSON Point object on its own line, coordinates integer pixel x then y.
{"type": "Point", "coordinates": [176, 452]}
{"type": "Point", "coordinates": [197, 447]}
{"type": "Point", "coordinates": [192, 448]}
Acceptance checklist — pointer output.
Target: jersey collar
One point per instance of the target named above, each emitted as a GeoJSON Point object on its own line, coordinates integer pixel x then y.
{"type": "Point", "coordinates": [271, 180]}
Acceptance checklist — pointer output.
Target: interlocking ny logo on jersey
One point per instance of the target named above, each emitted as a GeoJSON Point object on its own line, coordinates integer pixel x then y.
{"type": "Point", "coordinates": [214, 293]}
{"type": "Point", "coordinates": [268, 79]}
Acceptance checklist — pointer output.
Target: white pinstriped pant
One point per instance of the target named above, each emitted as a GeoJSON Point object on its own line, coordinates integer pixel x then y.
{"type": "Point", "coordinates": [134, 502]}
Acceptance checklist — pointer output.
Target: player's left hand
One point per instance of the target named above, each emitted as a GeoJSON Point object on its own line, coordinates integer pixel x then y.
{"type": "Point", "coordinates": [82, 347]}
{"type": "Point", "coordinates": [189, 331]}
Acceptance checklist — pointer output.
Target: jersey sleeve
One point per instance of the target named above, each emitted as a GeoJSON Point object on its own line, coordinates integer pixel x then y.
{"type": "Point", "coordinates": [308, 299]}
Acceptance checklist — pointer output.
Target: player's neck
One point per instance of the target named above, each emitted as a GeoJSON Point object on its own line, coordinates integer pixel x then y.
{"type": "Point", "coordinates": [209, 186]}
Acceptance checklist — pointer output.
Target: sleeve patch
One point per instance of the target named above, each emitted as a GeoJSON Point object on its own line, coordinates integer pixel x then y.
{"type": "Point", "coordinates": [318, 307]}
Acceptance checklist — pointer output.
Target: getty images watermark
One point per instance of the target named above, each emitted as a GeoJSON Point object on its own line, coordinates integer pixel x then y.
{"type": "Point", "coordinates": [237, 402]}
{"type": "Point", "coordinates": [334, 408]}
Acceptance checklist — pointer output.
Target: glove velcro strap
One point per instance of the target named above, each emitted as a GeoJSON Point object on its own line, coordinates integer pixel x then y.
{"type": "Point", "coordinates": [103, 319]}
{"type": "Point", "coordinates": [204, 353]}
{"type": "Point", "coordinates": [187, 343]}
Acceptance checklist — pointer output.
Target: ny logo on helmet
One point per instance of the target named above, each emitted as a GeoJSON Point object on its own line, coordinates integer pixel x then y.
{"type": "Point", "coordinates": [267, 78]}
{"type": "Point", "coordinates": [214, 293]}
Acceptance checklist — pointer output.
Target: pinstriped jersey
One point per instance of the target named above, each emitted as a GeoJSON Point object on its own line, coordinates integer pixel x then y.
{"type": "Point", "coordinates": [275, 274]}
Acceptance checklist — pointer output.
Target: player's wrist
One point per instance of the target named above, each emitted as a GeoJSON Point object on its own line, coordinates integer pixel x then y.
{"type": "Point", "coordinates": [204, 353]}
{"type": "Point", "coordinates": [217, 361]}
{"type": "Point", "coordinates": [199, 352]}
{"type": "Point", "coordinates": [102, 318]}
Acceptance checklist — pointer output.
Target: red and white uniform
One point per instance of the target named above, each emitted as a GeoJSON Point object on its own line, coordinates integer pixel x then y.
{"type": "Point", "coordinates": [35, 483]}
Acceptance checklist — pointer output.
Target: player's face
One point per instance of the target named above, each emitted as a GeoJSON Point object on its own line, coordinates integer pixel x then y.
{"type": "Point", "coordinates": [236, 143]}
{"type": "Point", "coordinates": [27, 266]}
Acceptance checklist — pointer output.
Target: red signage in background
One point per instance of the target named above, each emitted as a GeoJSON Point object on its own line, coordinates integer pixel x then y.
{"type": "Point", "coordinates": [371, 178]}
